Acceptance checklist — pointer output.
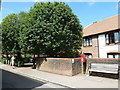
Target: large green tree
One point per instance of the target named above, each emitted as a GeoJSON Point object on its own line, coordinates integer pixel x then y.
{"type": "Point", "coordinates": [29, 40]}
{"type": "Point", "coordinates": [53, 29]}
{"type": "Point", "coordinates": [10, 34]}
{"type": "Point", "coordinates": [22, 20]}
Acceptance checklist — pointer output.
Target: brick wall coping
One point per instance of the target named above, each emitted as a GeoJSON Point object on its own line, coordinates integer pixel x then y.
{"type": "Point", "coordinates": [59, 58]}
{"type": "Point", "coordinates": [79, 58]}
{"type": "Point", "coordinates": [103, 58]}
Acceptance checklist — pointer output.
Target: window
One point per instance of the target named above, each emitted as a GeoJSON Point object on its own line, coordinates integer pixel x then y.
{"type": "Point", "coordinates": [112, 37]}
{"type": "Point", "coordinates": [116, 34]}
{"type": "Point", "coordinates": [107, 39]}
{"type": "Point", "coordinates": [84, 42]}
{"type": "Point", "coordinates": [88, 41]}
{"type": "Point", "coordinates": [113, 55]}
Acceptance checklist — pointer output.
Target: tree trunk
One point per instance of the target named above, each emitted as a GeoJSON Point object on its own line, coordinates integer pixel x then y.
{"type": "Point", "coordinates": [18, 55]}
{"type": "Point", "coordinates": [34, 61]}
{"type": "Point", "coordinates": [7, 56]}
{"type": "Point", "coordinates": [38, 55]}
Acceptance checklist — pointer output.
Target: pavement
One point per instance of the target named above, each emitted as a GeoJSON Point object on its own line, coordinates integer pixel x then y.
{"type": "Point", "coordinates": [60, 81]}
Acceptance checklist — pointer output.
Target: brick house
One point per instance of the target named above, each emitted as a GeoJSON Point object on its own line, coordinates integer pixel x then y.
{"type": "Point", "coordinates": [102, 39]}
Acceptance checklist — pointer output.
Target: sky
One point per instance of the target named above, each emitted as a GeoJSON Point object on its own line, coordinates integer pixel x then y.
{"type": "Point", "coordinates": [87, 12]}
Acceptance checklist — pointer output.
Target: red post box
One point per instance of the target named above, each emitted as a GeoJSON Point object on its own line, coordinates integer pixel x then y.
{"type": "Point", "coordinates": [83, 58]}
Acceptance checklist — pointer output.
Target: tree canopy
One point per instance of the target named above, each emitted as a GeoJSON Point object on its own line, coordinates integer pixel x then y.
{"type": "Point", "coordinates": [48, 28]}
{"type": "Point", "coordinates": [10, 34]}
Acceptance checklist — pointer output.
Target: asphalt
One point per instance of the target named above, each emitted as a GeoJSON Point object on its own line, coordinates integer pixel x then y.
{"type": "Point", "coordinates": [14, 81]}
{"type": "Point", "coordinates": [11, 80]}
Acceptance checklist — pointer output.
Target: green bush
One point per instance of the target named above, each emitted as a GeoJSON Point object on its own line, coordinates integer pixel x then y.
{"type": "Point", "coordinates": [28, 56]}
{"type": "Point", "coordinates": [19, 62]}
{"type": "Point", "coordinates": [4, 60]}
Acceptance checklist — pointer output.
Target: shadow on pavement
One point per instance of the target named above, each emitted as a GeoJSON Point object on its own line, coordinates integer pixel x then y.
{"type": "Point", "coordinates": [106, 75]}
{"type": "Point", "coordinates": [14, 81]}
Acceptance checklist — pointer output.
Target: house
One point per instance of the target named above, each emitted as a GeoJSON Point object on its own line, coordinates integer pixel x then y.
{"type": "Point", "coordinates": [102, 39]}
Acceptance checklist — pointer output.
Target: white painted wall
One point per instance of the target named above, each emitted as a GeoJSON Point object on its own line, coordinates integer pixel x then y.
{"type": "Point", "coordinates": [104, 49]}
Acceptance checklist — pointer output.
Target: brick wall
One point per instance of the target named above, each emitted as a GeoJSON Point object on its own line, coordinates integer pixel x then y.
{"type": "Point", "coordinates": [92, 49]}
{"type": "Point", "coordinates": [64, 66]}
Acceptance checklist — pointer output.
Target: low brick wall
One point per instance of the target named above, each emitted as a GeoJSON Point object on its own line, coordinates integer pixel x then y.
{"type": "Point", "coordinates": [63, 66]}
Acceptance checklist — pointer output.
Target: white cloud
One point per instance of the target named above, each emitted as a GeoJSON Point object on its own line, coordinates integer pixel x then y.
{"type": "Point", "coordinates": [91, 2]}
{"type": "Point", "coordinates": [117, 6]}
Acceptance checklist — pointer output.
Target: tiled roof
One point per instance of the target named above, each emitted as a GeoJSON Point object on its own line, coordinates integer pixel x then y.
{"type": "Point", "coordinates": [102, 26]}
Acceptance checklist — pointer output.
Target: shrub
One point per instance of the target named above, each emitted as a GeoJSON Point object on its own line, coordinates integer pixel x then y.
{"type": "Point", "coordinates": [28, 56]}
{"type": "Point", "coordinates": [19, 62]}
{"type": "Point", "coordinates": [4, 60]}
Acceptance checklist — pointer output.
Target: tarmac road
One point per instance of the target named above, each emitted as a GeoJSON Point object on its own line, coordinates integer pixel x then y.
{"type": "Point", "coordinates": [17, 82]}
{"type": "Point", "coordinates": [11, 80]}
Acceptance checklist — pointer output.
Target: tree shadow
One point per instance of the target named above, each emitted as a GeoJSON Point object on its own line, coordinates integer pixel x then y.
{"type": "Point", "coordinates": [15, 81]}
{"type": "Point", "coordinates": [106, 75]}
{"type": "Point", "coordinates": [39, 62]}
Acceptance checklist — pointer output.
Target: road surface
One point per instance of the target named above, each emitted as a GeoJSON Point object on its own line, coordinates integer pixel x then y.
{"type": "Point", "coordinates": [11, 80]}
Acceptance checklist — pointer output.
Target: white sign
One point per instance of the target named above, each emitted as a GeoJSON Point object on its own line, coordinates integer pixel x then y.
{"type": "Point", "coordinates": [72, 60]}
